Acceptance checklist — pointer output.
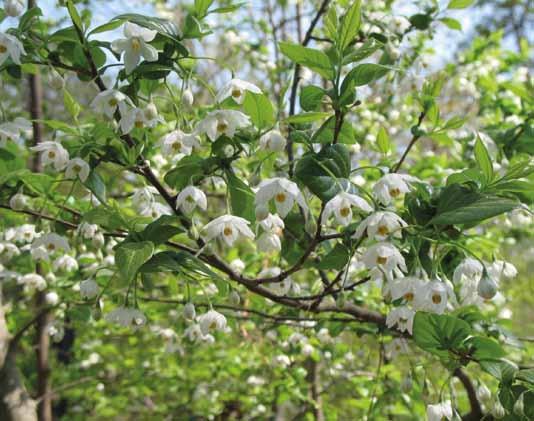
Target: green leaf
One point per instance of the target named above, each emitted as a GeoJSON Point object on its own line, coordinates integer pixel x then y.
{"type": "Point", "coordinates": [484, 348]}
{"type": "Point", "coordinates": [459, 4]}
{"type": "Point", "coordinates": [97, 186]}
{"type": "Point", "coordinates": [325, 173]}
{"type": "Point", "coordinates": [185, 171]}
{"type": "Point", "coordinates": [311, 97]}
{"type": "Point", "coordinates": [38, 182]}
{"type": "Point", "coordinates": [26, 20]}
{"type": "Point", "coordinates": [178, 262]}
{"type": "Point", "coordinates": [452, 23]}
{"type": "Point", "coordinates": [227, 9]}
{"type": "Point", "coordinates": [71, 105]}
{"type": "Point", "coordinates": [484, 160]}
{"type": "Point", "coordinates": [526, 375]}
{"type": "Point", "coordinates": [315, 60]}
{"type": "Point", "coordinates": [337, 258]}
{"type": "Point", "coordinates": [382, 141]}
{"type": "Point", "coordinates": [201, 7]}
{"type": "Point", "coordinates": [307, 117]}
{"type": "Point", "coordinates": [161, 230]}
{"type": "Point", "coordinates": [364, 74]}
{"type": "Point", "coordinates": [454, 123]}
{"type": "Point", "coordinates": [501, 369]}
{"type": "Point", "coordinates": [241, 197]}
{"type": "Point", "coordinates": [164, 27]}
{"type": "Point", "coordinates": [461, 205]}
{"type": "Point", "coordinates": [129, 257]}
{"type": "Point", "coordinates": [325, 133]}
{"type": "Point", "coordinates": [260, 109]}
{"type": "Point", "coordinates": [438, 334]}
{"type": "Point", "coordinates": [75, 17]}
{"type": "Point", "coordinates": [349, 25]}
{"type": "Point", "coordinates": [421, 21]}
{"type": "Point", "coordinates": [60, 125]}
{"type": "Point", "coordinates": [110, 26]}
{"type": "Point", "coordinates": [369, 47]}
{"type": "Point", "coordinates": [105, 217]}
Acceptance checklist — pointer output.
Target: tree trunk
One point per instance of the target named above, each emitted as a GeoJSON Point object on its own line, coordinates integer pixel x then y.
{"type": "Point", "coordinates": [314, 389]}
{"type": "Point", "coordinates": [15, 402]}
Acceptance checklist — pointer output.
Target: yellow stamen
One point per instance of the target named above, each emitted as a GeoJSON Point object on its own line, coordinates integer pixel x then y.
{"type": "Point", "coordinates": [280, 197]}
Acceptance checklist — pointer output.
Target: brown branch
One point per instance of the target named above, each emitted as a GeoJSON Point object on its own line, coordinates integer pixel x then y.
{"type": "Point", "coordinates": [476, 409]}
{"type": "Point", "coordinates": [415, 137]}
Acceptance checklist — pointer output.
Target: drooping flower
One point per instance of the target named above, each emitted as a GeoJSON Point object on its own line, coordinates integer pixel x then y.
{"type": "Point", "coordinates": [144, 196]}
{"type": "Point", "coordinates": [18, 201]}
{"type": "Point", "coordinates": [14, 8]}
{"type": "Point", "coordinates": [278, 288]}
{"type": "Point", "coordinates": [269, 240]}
{"type": "Point", "coordinates": [211, 321]}
{"type": "Point", "coordinates": [188, 98]}
{"type": "Point", "coordinates": [341, 206]}
{"type": "Point", "coordinates": [77, 168]}
{"type": "Point", "coordinates": [470, 269]}
{"type": "Point", "coordinates": [228, 228]}
{"type": "Point", "coordinates": [32, 281]}
{"type": "Point", "coordinates": [87, 230]}
{"type": "Point", "coordinates": [138, 118]}
{"type": "Point", "coordinates": [89, 288]}
{"type": "Point", "coordinates": [392, 186]}
{"type": "Point", "coordinates": [432, 297]}
{"type": "Point", "coordinates": [273, 141]}
{"type": "Point", "coordinates": [284, 192]}
{"type": "Point", "coordinates": [8, 251]}
{"type": "Point", "coordinates": [52, 153]}
{"type": "Point", "coordinates": [25, 233]}
{"type": "Point", "coordinates": [52, 242]}
{"type": "Point", "coordinates": [11, 130]}
{"type": "Point", "coordinates": [178, 142]}
{"type": "Point", "coordinates": [384, 259]}
{"type": "Point", "coordinates": [220, 122]}
{"type": "Point", "coordinates": [439, 411]}
{"type": "Point", "coordinates": [109, 100]}
{"type": "Point", "coordinates": [237, 89]}
{"type": "Point", "coordinates": [189, 198]}
{"type": "Point", "coordinates": [380, 225]}
{"type": "Point", "coordinates": [402, 318]}
{"type": "Point", "coordinates": [397, 347]}
{"type": "Point", "coordinates": [10, 47]}
{"type": "Point", "coordinates": [155, 210]}
{"type": "Point", "coordinates": [405, 288]}
{"type": "Point", "coordinates": [189, 311]}
{"type": "Point", "coordinates": [127, 317]}
{"type": "Point", "coordinates": [135, 46]}
{"type": "Point", "coordinates": [65, 263]}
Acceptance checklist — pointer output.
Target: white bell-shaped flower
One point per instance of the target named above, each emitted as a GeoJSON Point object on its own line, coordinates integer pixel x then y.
{"type": "Point", "coordinates": [229, 228]}
{"type": "Point", "coordinates": [341, 207]}
{"type": "Point", "coordinates": [135, 46]}
{"type": "Point", "coordinates": [237, 89]}
{"type": "Point", "coordinates": [284, 192]}
{"type": "Point", "coordinates": [190, 198]}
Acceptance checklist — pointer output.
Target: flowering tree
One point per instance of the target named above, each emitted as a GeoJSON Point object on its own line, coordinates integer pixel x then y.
{"type": "Point", "coordinates": [347, 210]}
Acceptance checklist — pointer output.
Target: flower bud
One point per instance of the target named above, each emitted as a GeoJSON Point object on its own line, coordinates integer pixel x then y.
{"type": "Point", "coordinates": [487, 287]}
{"type": "Point", "coordinates": [14, 8]}
{"type": "Point", "coordinates": [234, 298]}
{"type": "Point", "coordinates": [189, 311]}
{"type": "Point", "coordinates": [262, 212]}
{"type": "Point", "coordinates": [151, 112]}
{"type": "Point", "coordinates": [484, 394]}
{"type": "Point", "coordinates": [519, 406]}
{"type": "Point", "coordinates": [18, 202]}
{"type": "Point", "coordinates": [51, 298]}
{"type": "Point", "coordinates": [407, 384]}
{"type": "Point", "coordinates": [188, 98]}
{"type": "Point", "coordinates": [55, 80]}
{"type": "Point", "coordinates": [498, 411]}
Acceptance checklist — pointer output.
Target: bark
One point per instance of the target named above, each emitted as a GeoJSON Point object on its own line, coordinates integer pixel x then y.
{"type": "Point", "coordinates": [314, 392]}
{"type": "Point", "coordinates": [15, 402]}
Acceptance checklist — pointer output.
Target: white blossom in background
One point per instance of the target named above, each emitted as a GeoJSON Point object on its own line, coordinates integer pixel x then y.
{"type": "Point", "coordinates": [52, 298]}
{"type": "Point", "coordinates": [77, 168]}
{"type": "Point", "coordinates": [380, 225]}
{"type": "Point", "coordinates": [237, 265]}
{"type": "Point", "coordinates": [236, 89]}
{"type": "Point", "coordinates": [228, 228]}
{"type": "Point", "coordinates": [10, 47]}
{"type": "Point", "coordinates": [178, 142]}
{"type": "Point", "coordinates": [143, 197]}
{"type": "Point", "coordinates": [470, 269]}
{"type": "Point", "coordinates": [439, 411]}
{"type": "Point", "coordinates": [189, 311]}
{"type": "Point", "coordinates": [109, 100]}
{"type": "Point", "coordinates": [282, 361]}
{"type": "Point", "coordinates": [14, 8]}
{"type": "Point", "coordinates": [89, 289]}
{"type": "Point", "coordinates": [52, 242]}
{"type": "Point", "coordinates": [401, 318]}
{"type": "Point", "coordinates": [65, 263]}
{"type": "Point", "coordinates": [284, 192]}
{"type": "Point", "coordinates": [55, 80]}
{"type": "Point", "coordinates": [87, 230]}
{"type": "Point", "coordinates": [32, 282]}
{"type": "Point", "coordinates": [126, 317]}
{"type": "Point", "coordinates": [341, 207]}
{"type": "Point", "coordinates": [392, 186]}
{"type": "Point", "coordinates": [25, 233]}
{"type": "Point", "coordinates": [190, 198]}
{"type": "Point", "coordinates": [139, 118]}
{"type": "Point", "coordinates": [19, 201]}
{"type": "Point", "coordinates": [188, 98]}
{"type": "Point", "coordinates": [11, 131]}
{"type": "Point", "coordinates": [273, 141]}
{"type": "Point", "coordinates": [282, 287]}
{"type": "Point", "coordinates": [211, 321]}
{"type": "Point", "coordinates": [135, 46]}
{"type": "Point", "coordinates": [396, 347]}
{"type": "Point", "coordinates": [384, 260]}
{"type": "Point", "coordinates": [155, 210]}
{"type": "Point", "coordinates": [220, 122]}
{"type": "Point", "coordinates": [269, 240]}
{"type": "Point", "coordinates": [52, 153]}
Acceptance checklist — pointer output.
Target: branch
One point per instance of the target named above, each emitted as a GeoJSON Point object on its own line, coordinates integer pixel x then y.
{"type": "Point", "coordinates": [415, 137]}
{"type": "Point", "coordinates": [476, 410]}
